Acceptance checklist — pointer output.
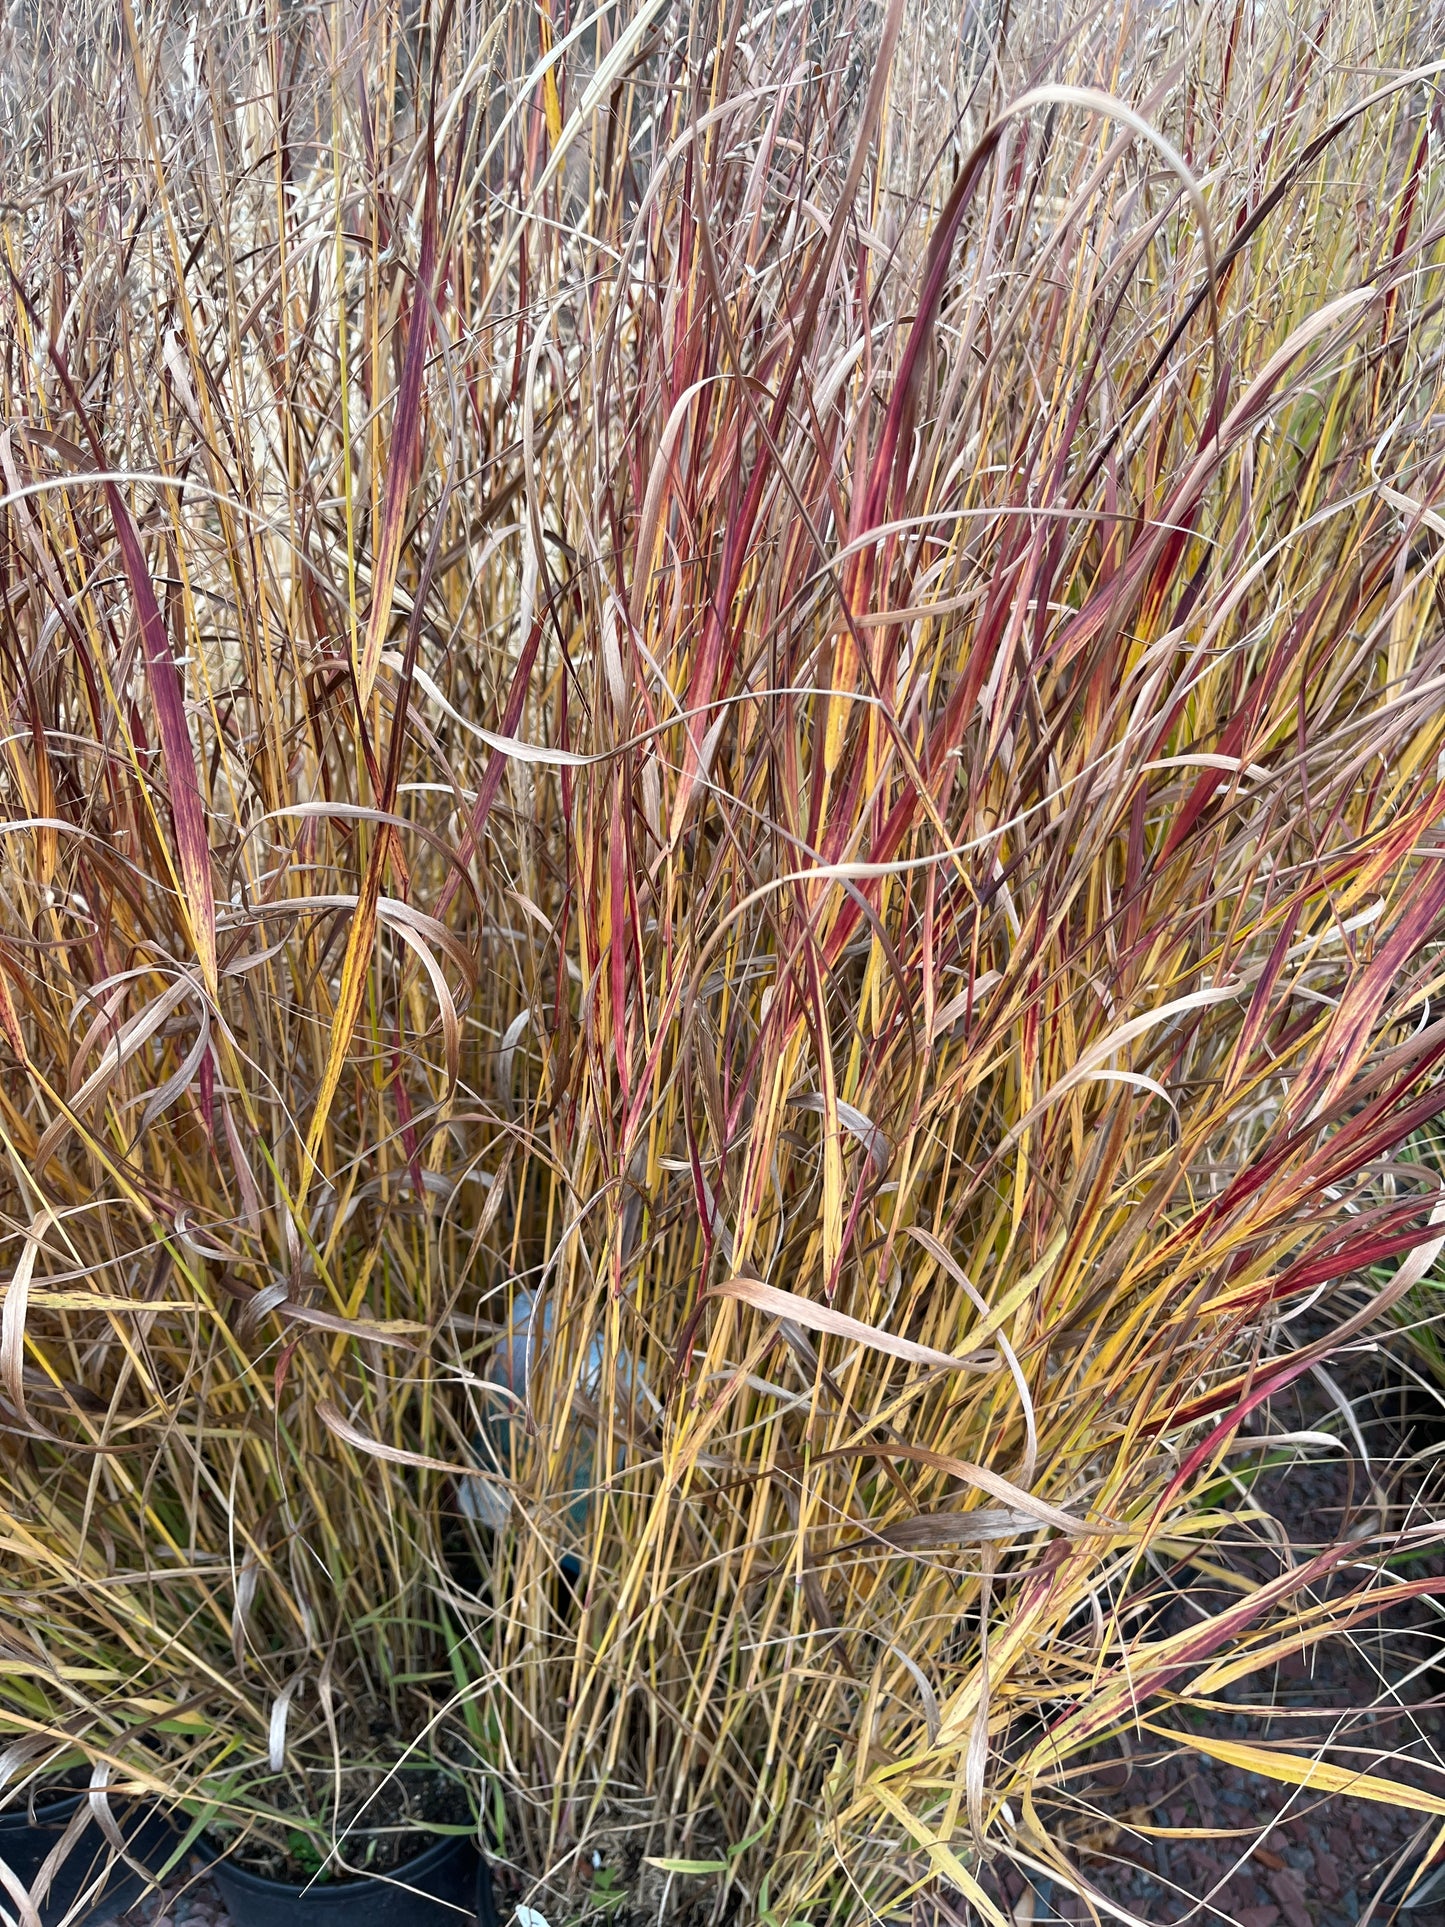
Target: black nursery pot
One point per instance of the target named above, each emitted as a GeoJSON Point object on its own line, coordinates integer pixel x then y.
{"type": "Point", "coordinates": [150, 1839]}
{"type": "Point", "coordinates": [426, 1891]}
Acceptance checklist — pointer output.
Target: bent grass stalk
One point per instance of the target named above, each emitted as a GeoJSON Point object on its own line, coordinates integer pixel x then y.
{"type": "Point", "coordinates": [808, 657]}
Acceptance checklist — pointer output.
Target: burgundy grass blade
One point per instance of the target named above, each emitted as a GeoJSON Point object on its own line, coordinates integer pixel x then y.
{"type": "Point", "coordinates": [167, 694]}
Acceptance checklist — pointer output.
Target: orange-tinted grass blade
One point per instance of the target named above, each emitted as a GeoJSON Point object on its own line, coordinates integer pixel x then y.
{"type": "Point", "coordinates": [360, 944]}
{"type": "Point", "coordinates": [1352, 1025]}
{"type": "Point", "coordinates": [9, 1016]}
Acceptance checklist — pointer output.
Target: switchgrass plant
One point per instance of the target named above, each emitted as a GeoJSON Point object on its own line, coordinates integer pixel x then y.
{"type": "Point", "coordinates": [246, 1188]}
{"type": "Point", "coordinates": [721, 898]}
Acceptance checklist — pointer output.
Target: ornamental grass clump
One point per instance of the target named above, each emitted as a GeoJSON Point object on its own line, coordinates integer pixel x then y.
{"type": "Point", "coordinates": [246, 1191]}
{"type": "Point", "coordinates": [722, 898]}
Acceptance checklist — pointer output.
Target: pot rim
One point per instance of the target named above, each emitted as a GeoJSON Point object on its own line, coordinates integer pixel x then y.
{"type": "Point", "coordinates": [334, 1891]}
{"type": "Point", "coordinates": [60, 1807]}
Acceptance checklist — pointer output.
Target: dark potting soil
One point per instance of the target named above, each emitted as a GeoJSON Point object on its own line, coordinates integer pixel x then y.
{"type": "Point", "coordinates": [387, 1815]}
{"type": "Point", "coordinates": [606, 1879]}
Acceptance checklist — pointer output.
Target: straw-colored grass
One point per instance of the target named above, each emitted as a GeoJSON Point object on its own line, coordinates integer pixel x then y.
{"type": "Point", "coordinates": [754, 703]}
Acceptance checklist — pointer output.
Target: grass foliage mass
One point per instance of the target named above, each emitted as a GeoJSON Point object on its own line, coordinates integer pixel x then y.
{"type": "Point", "coordinates": [720, 891]}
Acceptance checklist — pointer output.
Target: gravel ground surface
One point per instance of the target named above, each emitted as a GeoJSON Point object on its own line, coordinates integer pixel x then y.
{"type": "Point", "coordinates": [191, 1900]}
{"type": "Point", "coordinates": [1285, 1857]}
